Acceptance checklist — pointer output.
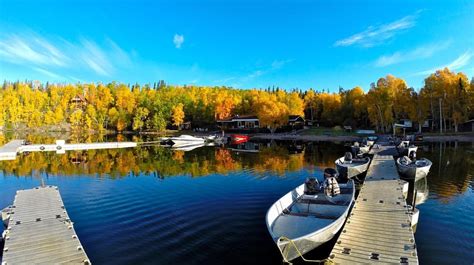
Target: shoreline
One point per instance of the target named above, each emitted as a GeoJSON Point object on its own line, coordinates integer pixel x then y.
{"type": "Point", "coordinates": [313, 138]}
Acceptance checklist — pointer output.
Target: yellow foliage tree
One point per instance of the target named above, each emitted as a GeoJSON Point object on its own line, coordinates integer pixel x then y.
{"type": "Point", "coordinates": [178, 114]}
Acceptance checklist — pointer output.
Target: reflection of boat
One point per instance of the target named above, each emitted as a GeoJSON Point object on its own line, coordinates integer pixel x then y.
{"type": "Point", "coordinates": [184, 140]}
{"type": "Point", "coordinates": [247, 147]}
{"type": "Point", "coordinates": [307, 219]}
{"type": "Point", "coordinates": [404, 148]}
{"type": "Point", "coordinates": [187, 147]}
{"type": "Point", "coordinates": [413, 170]}
{"type": "Point", "coordinates": [422, 191]}
{"type": "Point", "coordinates": [239, 138]}
{"type": "Point", "coordinates": [347, 167]}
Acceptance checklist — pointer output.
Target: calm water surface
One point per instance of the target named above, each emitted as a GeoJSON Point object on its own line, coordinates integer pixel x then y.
{"type": "Point", "coordinates": [152, 205]}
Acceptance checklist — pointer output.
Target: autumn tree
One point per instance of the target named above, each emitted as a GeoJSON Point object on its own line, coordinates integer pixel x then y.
{"type": "Point", "coordinates": [178, 114]}
{"type": "Point", "coordinates": [270, 112]}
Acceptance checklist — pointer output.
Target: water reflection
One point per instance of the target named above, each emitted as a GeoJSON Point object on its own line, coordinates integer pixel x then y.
{"type": "Point", "coordinates": [277, 158]}
{"type": "Point", "coordinates": [453, 168]}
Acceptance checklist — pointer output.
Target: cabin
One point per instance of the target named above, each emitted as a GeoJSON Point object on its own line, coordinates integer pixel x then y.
{"type": "Point", "coordinates": [467, 126]}
{"type": "Point", "coordinates": [296, 121]}
{"type": "Point", "coordinates": [79, 101]}
{"type": "Point", "coordinates": [239, 122]}
{"type": "Point", "coordinates": [251, 122]}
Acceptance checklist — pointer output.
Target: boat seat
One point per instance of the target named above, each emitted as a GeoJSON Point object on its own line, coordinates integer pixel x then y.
{"type": "Point", "coordinates": [306, 214]}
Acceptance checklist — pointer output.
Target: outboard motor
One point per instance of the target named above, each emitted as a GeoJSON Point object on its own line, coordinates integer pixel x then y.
{"type": "Point", "coordinates": [348, 157]}
{"type": "Point", "coordinates": [330, 173]}
{"type": "Point", "coordinates": [331, 186]}
{"type": "Point", "coordinates": [311, 186]}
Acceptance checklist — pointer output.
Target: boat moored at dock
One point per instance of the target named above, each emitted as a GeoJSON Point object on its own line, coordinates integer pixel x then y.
{"type": "Point", "coordinates": [349, 167]}
{"type": "Point", "coordinates": [309, 216]}
{"type": "Point", "coordinates": [405, 148]}
{"type": "Point", "coordinates": [415, 169]}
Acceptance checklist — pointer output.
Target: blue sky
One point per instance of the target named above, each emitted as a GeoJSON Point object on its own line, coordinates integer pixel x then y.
{"type": "Point", "coordinates": [245, 44]}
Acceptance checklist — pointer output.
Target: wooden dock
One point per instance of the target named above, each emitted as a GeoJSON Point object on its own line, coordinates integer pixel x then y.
{"type": "Point", "coordinates": [40, 232]}
{"type": "Point", "coordinates": [379, 229]}
{"type": "Point", "coordinates": [9, 151]}
{"type": "Point", "coordinates": [14, 147]}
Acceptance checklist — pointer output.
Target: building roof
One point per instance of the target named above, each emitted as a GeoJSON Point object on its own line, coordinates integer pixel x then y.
{"type": "Point", "coordinates": [240, 118]}
{"type": "Point", "coordinates": [295, 117]}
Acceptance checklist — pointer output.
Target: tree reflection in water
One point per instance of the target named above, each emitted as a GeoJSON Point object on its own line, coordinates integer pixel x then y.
{"type": "Point", "coordinates": [277, 158]}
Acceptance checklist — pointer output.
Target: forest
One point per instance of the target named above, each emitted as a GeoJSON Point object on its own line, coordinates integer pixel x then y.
{"type": "Point", "coordinates": [446, 99]}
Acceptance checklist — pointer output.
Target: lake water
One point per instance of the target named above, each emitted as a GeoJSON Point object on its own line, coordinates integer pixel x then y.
{"type": "Point", "coordinates": [152, 205]}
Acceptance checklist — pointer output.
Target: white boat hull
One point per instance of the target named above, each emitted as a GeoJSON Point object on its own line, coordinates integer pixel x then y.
{"type": "Point", "coordinates": [310, 231]}
{"type": "Point", "coordinates": [311, 242]}
{"type": "Point", "coordinates": [353, 169]}
{"type": "Point", "coordinates": [413, 172]}
{"type": "Point", "coordinates": [185, 140]}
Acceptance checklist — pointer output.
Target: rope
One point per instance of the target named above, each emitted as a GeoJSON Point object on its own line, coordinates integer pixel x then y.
{"type": "Point", "coordinates": [283, 238]}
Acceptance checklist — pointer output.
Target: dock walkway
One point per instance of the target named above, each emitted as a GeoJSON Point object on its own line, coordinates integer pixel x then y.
{"type": "Point", "coordinates": [40, 232]}
{"type": "Point", "coordinates": [9, 151]}
{"type": "Point", "coordinates": [379, 229]}
{"type": "Point", "coordinates": [14, 147]}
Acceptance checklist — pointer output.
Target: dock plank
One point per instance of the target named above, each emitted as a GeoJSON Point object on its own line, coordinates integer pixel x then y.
{"type": "Point", "coordinates": [40, 231]}
{"type": "Point", "coordinates": [380, 221]}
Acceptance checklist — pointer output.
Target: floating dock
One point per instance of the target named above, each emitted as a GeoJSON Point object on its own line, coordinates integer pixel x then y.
{"type": "Point", "coordinates": [379, 229]}
{"type": "Point", "coordinates": [39, 230]}
{"type": "Point", "coordinates": [10, 150]}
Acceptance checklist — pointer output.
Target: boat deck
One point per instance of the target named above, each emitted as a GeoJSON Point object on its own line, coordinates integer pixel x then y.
{"type": "Point", "coordinates": [40, 232]}
{"type": "Point", "coordinates": [379, 228]}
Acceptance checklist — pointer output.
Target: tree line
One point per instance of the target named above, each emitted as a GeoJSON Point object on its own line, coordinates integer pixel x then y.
{"type": "Point", "coordinates": [446, 99]}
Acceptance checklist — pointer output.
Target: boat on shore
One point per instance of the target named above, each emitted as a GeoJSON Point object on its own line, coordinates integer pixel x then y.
{"type": "Point", "coordinates": [349, 167]}
{"type": "Point", "coordinates": [413, 169]}
{"type": "Point", "coordinates": [306, 217]}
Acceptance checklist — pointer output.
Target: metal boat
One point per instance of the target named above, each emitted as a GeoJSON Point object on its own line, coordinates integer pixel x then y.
{"type": "Point", "coordinates": [299, 222]}
{"type": "Point", "coordinates": [413, 169]}
{"type": "Point", "coordinates": [347, 167]}
{"type": "Point", "coordinates": [405, 148]}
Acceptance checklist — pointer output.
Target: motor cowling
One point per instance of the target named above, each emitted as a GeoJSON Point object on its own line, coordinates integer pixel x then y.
{"type": "Point", "coordinates": [348, 157]}
{"type": "Point", "coordinates": [311, 186]}
{"type": "Point", "coordinates": [330, 173]}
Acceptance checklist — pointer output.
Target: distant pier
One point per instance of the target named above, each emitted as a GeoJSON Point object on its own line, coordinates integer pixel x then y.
{"type": "Point", "coordinates": [14, 147]}
{"type": "Point", "coordinates": [39, 230]}
{"type": "Point", "coordinates": [379, 229]}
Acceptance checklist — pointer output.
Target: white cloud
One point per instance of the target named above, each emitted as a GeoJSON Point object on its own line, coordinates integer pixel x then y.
{"type": "Point", "coordinates": [18, 49]}
{"type": "Point", "coordinates": [256, 74]}
{"type": "Point", "coordinates": [95, 58]}
{"type": "Point", "coordinates": [461, 61]}
{"type": "Point", "coordinates": [457, 64]}
{"type": "Point", "coordinates": [375, 35]}
{"type": "Point", "coordinates": [53, 54]}
{"type": "Point", "coordinates": [178, 40]}
{"type": "Point", "coordinates": [49, 73]}
{"type": "Point", "coordinates": [277, 64]}
{"type": "Point", "coordinates": [274, 66]}
{"type": "Point", "coordinates": [420, 52]}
